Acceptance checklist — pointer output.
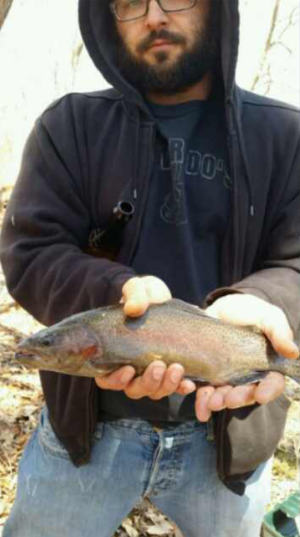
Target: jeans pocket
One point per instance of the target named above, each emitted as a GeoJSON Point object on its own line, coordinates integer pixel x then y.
{"type": "Point", "coordinates": [48, 439]}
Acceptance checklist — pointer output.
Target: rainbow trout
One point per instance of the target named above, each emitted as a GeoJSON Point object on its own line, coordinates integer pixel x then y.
{"type": "Point", "coordinates": [99, 341]}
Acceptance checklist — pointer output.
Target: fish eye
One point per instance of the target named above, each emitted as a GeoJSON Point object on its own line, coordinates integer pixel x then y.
{"type": "Point", "coordinates": [47, 342]}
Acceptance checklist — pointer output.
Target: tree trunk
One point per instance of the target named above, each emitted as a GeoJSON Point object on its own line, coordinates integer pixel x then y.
{"type": "Point", "coordinates": [5, 6]}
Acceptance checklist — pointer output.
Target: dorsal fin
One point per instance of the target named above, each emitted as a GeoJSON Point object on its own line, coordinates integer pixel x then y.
{"type": "Point", "coordinates": [185, 306]}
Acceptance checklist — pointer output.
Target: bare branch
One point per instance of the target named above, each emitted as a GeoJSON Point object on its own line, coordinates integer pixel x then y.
{"type": "Point", "coordinates": [268, 44]}
{"type": "Point", "coordinates": [280, 44]}
{"type": "Point", "coordinates": [293, 19]}
{"type": "Point", "coordinates": [76, 55]}
{"type": "Point", "coordinates": [5, 6]}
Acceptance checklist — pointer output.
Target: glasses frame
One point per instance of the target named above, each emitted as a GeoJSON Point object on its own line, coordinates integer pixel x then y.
{"type": "Point", "coordinates": [113, 9]}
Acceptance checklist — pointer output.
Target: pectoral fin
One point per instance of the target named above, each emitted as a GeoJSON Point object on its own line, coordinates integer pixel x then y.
{"type": "Point", "coordinates": [257, 376]}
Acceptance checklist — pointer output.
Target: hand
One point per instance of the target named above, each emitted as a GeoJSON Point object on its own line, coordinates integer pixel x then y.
{"type": "Point", "coordinates": [157, 381]}
{"type": "Point", "coordinates": [247, 310]}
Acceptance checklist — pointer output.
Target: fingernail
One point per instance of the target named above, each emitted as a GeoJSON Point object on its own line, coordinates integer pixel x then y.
{"type": "Point", "coordinates": [158, 373]}
{"type": "Point", "coordinates": [188, 389]}
{"type": "Point", "coordinates": [295, 350]}
{"type": "Point", "coordinates": [176, 376]}
{"type": "Point", "coordinates": [126, 377]}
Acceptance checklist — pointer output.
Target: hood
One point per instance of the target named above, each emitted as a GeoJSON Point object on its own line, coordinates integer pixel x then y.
{"type": "Point", "coordinates": [96, 22]}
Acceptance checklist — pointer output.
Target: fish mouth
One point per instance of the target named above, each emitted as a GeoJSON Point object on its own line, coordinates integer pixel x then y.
{"type": "Point", "coordinates": [32, 357]}
{"type": "Point", "coordinates": [36, 361]}
{"type": "Point", "coordinates": [25, 354]}
{"type": "Point", "coordinates": [27, 358]}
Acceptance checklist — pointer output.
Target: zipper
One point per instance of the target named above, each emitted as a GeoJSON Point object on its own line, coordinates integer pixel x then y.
{"type": "Point", "coordinates": [142, 198]}
{"type": "Point", "coordinates": [221, 420]}
{"type": "Point", "coordinates": [235, 189]}
{"type": "Point", "coordinates": [127, 258]}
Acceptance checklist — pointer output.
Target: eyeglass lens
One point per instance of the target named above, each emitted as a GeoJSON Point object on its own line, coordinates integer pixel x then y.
{"type": "Point", "coordinates": [134, 9]}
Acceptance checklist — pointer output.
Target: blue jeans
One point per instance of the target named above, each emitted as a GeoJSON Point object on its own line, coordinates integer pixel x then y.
{"type": "Point", "coordinates": [175, 469]}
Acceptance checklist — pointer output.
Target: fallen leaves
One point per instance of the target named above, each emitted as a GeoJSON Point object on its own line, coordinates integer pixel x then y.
{"type": "Point", "coordinates": [146, 520]}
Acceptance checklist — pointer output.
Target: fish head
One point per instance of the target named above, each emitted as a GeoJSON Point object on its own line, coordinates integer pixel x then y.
{"type": "Point", "coordinates": [62, 348]}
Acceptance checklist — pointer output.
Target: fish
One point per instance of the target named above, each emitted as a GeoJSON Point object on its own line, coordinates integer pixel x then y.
{"type": "Point", "coordinates": [99, 341]}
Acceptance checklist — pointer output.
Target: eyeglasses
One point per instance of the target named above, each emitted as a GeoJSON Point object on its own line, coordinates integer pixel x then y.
{"type": "Point", "coordinates": [129, 10]}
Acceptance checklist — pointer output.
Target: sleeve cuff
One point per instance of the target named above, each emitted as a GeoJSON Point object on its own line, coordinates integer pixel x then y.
{"type": "Point", "coordinates": [114, 286]}
{"type": "Point", "coordinates": [223, 291]}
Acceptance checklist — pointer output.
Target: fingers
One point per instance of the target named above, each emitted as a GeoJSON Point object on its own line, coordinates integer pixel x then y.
{"type": "Point", "coordinates": [269, 388]}
{"type": "Point", "coordinates": [186, 387]}
{"type": "Point", "coordinates": [202, 408]}
{"type": "Point", "coordinates": [139, 292]}
{"type": "Point", "coordinates": [156, 289]}
{"type": "Point", "coordinates": [135, 297]}
{"type": "Point", "coordinates": [118, 380]}
{"type": "Point", "coordinates": [247, 310]}
{"type": "Point", "coordinates": [173, 381]}
{"type": "Point", "coordinates": [278, 331]}
{"type": "Point", "coordinates": [148, 383]}
{"type": "Point", "coordinates": [157, 382]}
{"type": "Point", "coordinates": [211, 399]}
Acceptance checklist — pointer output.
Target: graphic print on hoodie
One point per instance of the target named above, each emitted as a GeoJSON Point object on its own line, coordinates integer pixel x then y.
{"type": "Point", "coordinates": [187, 209]}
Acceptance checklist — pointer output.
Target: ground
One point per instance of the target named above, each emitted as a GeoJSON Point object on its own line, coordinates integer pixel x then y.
{"type": "Point", "coordinates": [20, 403]}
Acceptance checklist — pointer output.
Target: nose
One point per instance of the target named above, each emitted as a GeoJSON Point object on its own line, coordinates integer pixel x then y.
{"type": "Point", "coordinates": [156, 17]}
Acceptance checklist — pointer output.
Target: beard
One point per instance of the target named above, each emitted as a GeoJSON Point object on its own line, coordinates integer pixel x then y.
{"type": "Point", "coordinates": [168, 78]}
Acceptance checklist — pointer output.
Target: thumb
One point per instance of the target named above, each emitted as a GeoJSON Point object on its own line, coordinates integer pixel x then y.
{"type": "Point", "coordinates": [134, 297]}
{"type": "Point", "coordinates": [278, 331]}
{"type": "Point", "coordinates": [157, 291]}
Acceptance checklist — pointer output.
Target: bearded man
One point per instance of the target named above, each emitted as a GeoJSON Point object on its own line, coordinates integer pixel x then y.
{"type": "Point", "coordinates": [210, 173]}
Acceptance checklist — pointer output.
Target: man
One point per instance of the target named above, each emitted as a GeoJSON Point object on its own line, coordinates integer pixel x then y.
{"type": "Point", "coordinates": [211, 172]}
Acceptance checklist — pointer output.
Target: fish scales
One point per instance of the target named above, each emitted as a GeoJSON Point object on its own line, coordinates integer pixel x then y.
{"type": "Point", "coordinates": [99, 341]}
{"type": "Point", "coordinates": [182, 339]}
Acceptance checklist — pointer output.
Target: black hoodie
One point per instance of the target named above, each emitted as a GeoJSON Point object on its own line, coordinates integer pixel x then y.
{"type": "Point", "coordinates": [85, 153]}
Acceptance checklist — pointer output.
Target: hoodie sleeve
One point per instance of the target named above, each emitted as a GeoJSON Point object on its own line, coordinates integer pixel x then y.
{"type": "Point", "coordinates": [277, 279]}
{"type": "Point", "coordinates": [45, 229]}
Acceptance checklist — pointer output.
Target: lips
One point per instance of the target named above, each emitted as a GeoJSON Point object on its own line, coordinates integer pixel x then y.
{"type": "Point", "coordinates": [159, 43]}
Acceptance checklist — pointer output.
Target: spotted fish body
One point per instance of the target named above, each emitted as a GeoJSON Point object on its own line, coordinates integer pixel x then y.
{"type": "Point", "coordinates": [100, 341]}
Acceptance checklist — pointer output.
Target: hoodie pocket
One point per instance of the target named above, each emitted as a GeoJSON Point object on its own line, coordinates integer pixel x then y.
{"type": "Point", "coordinates": [247, 437]}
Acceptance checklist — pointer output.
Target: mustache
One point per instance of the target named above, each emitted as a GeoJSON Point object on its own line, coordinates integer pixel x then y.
{"type": "Point", "coordinates": [170, 37]}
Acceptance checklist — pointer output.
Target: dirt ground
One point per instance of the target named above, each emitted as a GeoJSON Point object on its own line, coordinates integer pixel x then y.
{"type": "Point", "coordinates": [20, 403]}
